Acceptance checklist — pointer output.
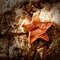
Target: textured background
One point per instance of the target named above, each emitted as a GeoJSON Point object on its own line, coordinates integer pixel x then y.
{"type": "Point", "coordinates": [8, 4]}
{"type": "Point", "coordinates": [11, 46]}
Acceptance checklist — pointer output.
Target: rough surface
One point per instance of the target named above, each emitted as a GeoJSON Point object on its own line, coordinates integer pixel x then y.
{"type": "Point", "coordinates": [14, 43]}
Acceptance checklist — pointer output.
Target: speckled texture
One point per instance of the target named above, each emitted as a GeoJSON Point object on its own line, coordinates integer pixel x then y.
{"type": "Point", "coordinates": [14, 43]}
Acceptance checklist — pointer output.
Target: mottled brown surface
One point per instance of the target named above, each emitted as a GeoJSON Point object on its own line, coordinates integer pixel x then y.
{"type": "Point", "coordinates": [11, 47]}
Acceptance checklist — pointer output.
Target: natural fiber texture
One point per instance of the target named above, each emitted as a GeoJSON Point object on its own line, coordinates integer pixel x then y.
{"type": "Point", "coordinates": [14, 43]}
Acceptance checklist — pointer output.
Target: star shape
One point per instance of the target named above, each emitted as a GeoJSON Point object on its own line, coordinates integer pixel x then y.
{"type": "Point", "coordinates": [37, 29]}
